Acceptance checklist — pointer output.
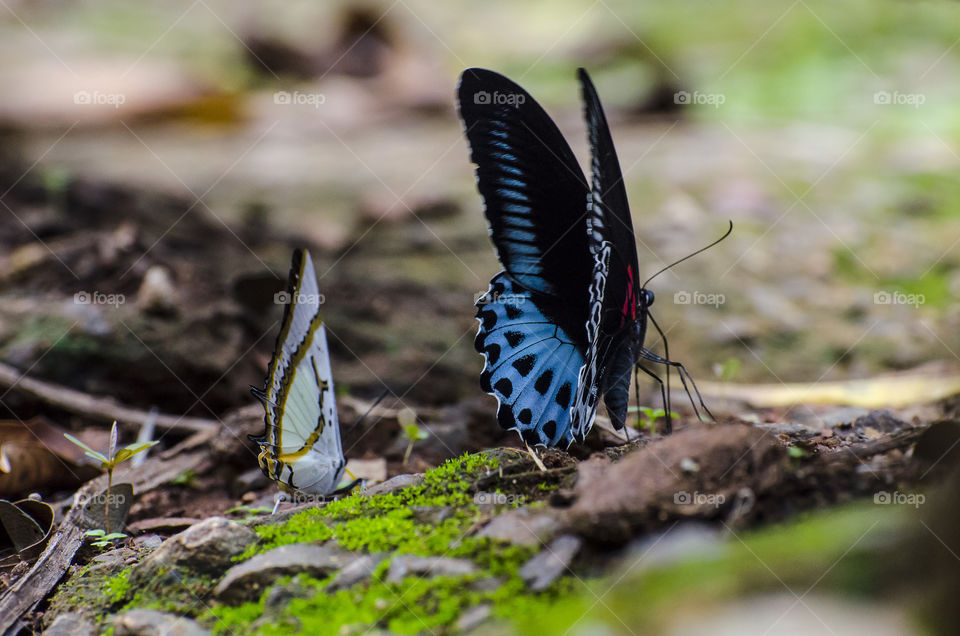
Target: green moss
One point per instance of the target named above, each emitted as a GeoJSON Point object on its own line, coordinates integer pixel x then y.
{"type": "Point", "coordinates": [388, 523]}
{"type": "Point", "coordinates": [118, 586]}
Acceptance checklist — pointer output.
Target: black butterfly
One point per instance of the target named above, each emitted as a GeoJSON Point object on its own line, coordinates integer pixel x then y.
{"type": "Point", "coordinates": [565, 321]}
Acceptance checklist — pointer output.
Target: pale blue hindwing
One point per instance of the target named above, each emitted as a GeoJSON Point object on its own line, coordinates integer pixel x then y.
{"type": "Point", "coordinates": [532, 366]}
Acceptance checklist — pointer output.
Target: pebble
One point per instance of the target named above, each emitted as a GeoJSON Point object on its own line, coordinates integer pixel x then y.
{"type": "Point", "coordinates": [551, 562]}
{"type": "Point", "coordinates": [246, 581]}
{"type": "Point", "coordinates": [142, 622]}
{"type": "Point", "coordinates": [69, 624]}
{"type": "Point", "coordinates": [521, 527]}
{"type": "Point", "coordinates": [406, 565]}
{"type": "Point", "coordinates": [204, 548]}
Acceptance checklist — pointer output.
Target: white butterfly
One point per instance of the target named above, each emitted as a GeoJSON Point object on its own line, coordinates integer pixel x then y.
{"type": "Point", "coordinates": [300, 448]}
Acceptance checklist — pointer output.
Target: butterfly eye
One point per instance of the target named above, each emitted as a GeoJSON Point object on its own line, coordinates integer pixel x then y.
{"type": "Point", "coordinates": [647, 297]}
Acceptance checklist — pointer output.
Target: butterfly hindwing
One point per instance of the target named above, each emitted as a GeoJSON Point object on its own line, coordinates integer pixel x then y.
{"type": "Point", "coordinates": [301, 445]}
{"type": "Point", "coordinates": [531, 363]}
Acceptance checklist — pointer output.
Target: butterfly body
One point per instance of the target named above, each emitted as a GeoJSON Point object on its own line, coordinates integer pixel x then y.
{"type": "Point", "coordinates": [569, 253]}
{"type": "Point", "coordinates": [300, 448]}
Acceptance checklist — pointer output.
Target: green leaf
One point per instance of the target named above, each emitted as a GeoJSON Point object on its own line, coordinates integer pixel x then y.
{"type": "Point", "coordinates": [96, 533]}
{"type": "Point", "coordinates": [89, 451]}
{"type": "Point", "coordinates": [796, 452]}
{"type": "Point", "coordinates": [115, 535]}
{"type": "Point", "coordinates": [99, 457]}
{"type": "Point", "coordinates": [127, 452]}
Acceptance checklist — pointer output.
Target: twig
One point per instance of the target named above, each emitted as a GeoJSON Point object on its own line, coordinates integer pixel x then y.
{"type": "Point", "coordinates": [97, 408]}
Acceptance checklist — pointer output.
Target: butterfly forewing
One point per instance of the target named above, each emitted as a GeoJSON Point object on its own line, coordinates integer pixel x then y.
{"type": "Point", "coordinates": [615, 276]}
{"type": "Point", "coordinates": [301, 446]}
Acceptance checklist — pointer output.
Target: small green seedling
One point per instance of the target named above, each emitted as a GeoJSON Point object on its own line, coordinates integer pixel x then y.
{"type": "Point", "coordinates": [111, 460]}
{"type": "Point", "coordinates": [647, 417]}
{"type": "Point", "coordinates": [103, 539]}
{"type": "Point", "coordinates": [410, 431]}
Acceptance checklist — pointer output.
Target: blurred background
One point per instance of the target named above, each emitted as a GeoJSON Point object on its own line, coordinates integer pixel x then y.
{"type": "Point", "coordinates": [196, 142]}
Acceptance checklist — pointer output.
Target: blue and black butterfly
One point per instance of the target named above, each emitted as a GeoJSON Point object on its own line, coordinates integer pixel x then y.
{"type": "Point", "coordinates": [565, 322]}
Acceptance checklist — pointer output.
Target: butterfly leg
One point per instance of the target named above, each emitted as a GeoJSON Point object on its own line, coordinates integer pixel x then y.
{"type": "Point", "coordinates": [681, 370]}
{"type": "Point", "coordinates": [663, 395]}
{"type": "Point", "coordinates": [281, 496]}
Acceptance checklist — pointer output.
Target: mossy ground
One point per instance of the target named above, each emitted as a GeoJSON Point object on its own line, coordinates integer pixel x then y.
{"type": "Point", "coordinates": [389, 523]}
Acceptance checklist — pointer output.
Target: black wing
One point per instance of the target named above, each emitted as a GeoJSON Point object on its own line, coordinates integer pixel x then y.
{"type": "Point", "coordinates": [535, 196]}
{"type": "Point", "coordinates": [615, 277]}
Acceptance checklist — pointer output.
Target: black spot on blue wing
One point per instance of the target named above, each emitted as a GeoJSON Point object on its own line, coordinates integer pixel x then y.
{"type": "Point", "coordinates": [531, 437]}
{"type": "Point", "coordinates": [525, 417]}
{"type": "Point", "coordinates": [563, 396]}
{"type": "Point", "coordinates": [504, 387]}
{"type": "Point", "coordinates": [513, 312]}
{"type": "Point", "coordinates": [489, 319]}
{"type": "Point", "coordinates": [543, 382]}
{"type": "Point", "coordinates": [550, 429]}
{"type": "Point", "coordinates": [514, 338]}
{"type": "Point", "coordinates": [505, 417]}
{"type": "Point", "coordinates": [525, 364]}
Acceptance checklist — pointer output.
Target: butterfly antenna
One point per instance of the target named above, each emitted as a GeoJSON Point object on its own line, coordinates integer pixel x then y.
{"type": "Point", "coordinates": [372, 406]}
{"type": "Point", "coordinates": [702, 249]}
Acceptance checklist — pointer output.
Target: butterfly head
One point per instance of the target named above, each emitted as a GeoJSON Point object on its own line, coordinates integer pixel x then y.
{"type": "Point", "coordinates": [644, 300]}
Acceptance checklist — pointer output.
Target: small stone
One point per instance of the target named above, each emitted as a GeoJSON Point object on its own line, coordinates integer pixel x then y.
{"type": "Point", "coordinates": [205, 548]}
{"type": "Point", "coordinates": [148, 541]}
{"type": "Point", "coordinates": [406, 565]}
{"type": "Point", "coordinates": [473, 617]}
{"type": "Point", "coordinates": [248, 497]}
{"type": "Point", "coordinates": [360, 569]}
{"type": "Point", "coordinates": [521, 527]}
{"type": "Point", "coordinates": [69, 624]}
{"type": "Point", "coordinates": [157, 292]}
{"type": "Point", "coordinates": [395, 483]}
{"type": "Point", "coordinates": [247, 580]}
{"type": "Point", "coordinates": [431, 514]}
{"type": "Point", "coordinates": [687, 465]}
{"type": "Point", "coordinates": [142, 622]}
{"type": "Point", "coordinates": [551, 562]}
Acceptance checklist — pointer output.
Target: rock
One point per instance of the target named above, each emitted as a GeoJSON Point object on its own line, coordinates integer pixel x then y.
{"type": "Point", "coordinates": [69, 624]}
{"type": "Point", "coordinates": [360, 569]}
{"type": "Point", "coordinates": [111, 560]}
{"type": "Point", "coordinates": [406, 565]}
{"type": "Point", "coordinates": [395, 483]}
{"type": "Point", "coordinates": [522, 527]}
{"type": "Point", "coordinates": [157, 293]}
{"type": "Point", "coordinates": [148, 542]}
{"type": "Point", "coordinates": [165, 525]}
{"type": "Point", "coordinates": [204, 548]}
{"type": "Point", "coordinates": [142, 622]}
{"type": "Point", "coordinates": [280, 595]}
{"type": "Point", "coordinates": [431, 514]}
{"type": "Point", "coordinates": [544, 568]}
{"type": "Point", "coordinates": [247, 580]}
{"type": "Point", "coordinates": [473, 617]}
